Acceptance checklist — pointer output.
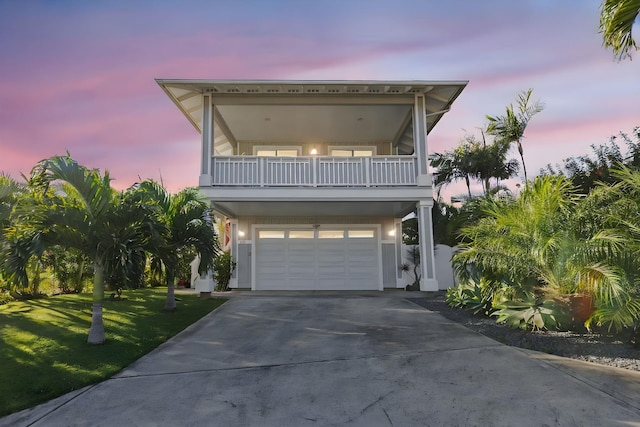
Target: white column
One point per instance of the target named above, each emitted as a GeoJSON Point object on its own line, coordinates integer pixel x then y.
{"type": "Point", "coordinates": [234, 252]}
{"type": "Point", "coordinates": [420, 140]}
{"type": "Point", "coordinates": [206, 142]}
{"type": "Point", "coordinates": [427, 258]}
{"type": "Point", "coordinates": [205, 283]}
{"type": "Point", "coordinates": [397, 225]}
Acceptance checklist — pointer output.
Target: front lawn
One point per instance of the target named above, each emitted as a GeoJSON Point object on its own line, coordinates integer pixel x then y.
{"type": "Point", "coordinates": [43, 343]}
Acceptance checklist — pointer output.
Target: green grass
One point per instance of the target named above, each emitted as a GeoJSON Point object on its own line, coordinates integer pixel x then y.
{"type": "Point", "coordinates": [43, 343]}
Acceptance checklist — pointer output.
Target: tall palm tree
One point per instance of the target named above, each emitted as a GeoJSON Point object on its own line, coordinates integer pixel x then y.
{"type": "Point", "coordinates": [510, 127]}
{"type": "Point", "coordinates": [77, 208]}
{"type": "Point", "coordinates": [616, 23]}
{"type": "Point", "coordinates": [452, 166]}
{"type": "Point", "coordinates": [189, 227]}
{"type": "Point", "coordinates": [473, 159]}
{"type": "Point", "coordinates": [490, 161]}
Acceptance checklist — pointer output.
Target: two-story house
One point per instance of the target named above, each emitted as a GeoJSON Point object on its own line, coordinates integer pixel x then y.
{"type": "Point", "coordinates": [316, 176]}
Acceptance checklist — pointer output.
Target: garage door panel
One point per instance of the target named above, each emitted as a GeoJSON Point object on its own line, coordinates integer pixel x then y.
{"type": "Point", "coordinates": [344, 259]}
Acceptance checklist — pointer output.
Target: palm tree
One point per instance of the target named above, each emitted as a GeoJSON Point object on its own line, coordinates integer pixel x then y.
{"type": "Point", "coordinates": [616, 22]}
{"type": "Point", "coordinates": [617, 206]}
{"type": "Point", "coordinates": [10, 190]}
{"type": "Point", "coordinates": [453, 165]}
{"type": "Point", "coordinates": [9, 193]}
{"type": "Point", "coordinates": [490, 161]}
{"type": "Point", "coordinates": [510, 128]}
{"type": "Point", "coordinates": [473, 159]}
{"type": "Point", "coordinates": [189, 228]}
{"type": "Point", "coordinates": [77, 208]}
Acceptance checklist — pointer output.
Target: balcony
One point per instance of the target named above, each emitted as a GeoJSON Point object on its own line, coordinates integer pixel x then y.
{"type": "Point", "coordinates": [253, 171]}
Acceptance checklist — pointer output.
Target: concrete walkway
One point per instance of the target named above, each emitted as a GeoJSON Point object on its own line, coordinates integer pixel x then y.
{"type": "Point", "coordinates": [371, 359]}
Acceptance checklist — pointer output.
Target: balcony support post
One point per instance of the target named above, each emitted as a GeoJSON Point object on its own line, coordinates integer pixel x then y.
{"type": "Point", "coordinates": [206, 166]}
{"type": "Point", "coordinates": [420, 140]}
{"type": "Point", "coordinates": [428, 281]}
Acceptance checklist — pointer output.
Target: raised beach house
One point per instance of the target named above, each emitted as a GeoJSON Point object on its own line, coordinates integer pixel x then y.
{"type": "Point", "coordinates": [316, 176]}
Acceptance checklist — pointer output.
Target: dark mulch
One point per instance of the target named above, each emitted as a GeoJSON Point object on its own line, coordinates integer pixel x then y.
{"type": "Point", "coordinates": [597, 347]}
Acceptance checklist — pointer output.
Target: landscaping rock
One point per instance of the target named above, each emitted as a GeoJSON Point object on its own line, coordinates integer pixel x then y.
{"type": "Point", "coordinates": [597, 347]}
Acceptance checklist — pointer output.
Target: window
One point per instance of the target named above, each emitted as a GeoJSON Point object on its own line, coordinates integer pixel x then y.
{"type": "Point", "coordinates": [360, 234]}
{"type": "Point", "coordinates": [276, 151]}
{"type": "Point", "coordinates": [352, 151]}
{"type": "Point", "coordinates": [301, 234]}
{"type": "Point", "coordinates": [330, 234]}
{"type": "Point", "coordinates": [271, 234]}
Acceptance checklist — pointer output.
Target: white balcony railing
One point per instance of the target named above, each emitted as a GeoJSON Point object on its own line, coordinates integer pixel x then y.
{"type": "Point", "coordinates": [252, 171]}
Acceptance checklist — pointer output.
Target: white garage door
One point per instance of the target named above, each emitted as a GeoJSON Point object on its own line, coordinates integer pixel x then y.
{"type": "Point", "coordinates": [324, 259]}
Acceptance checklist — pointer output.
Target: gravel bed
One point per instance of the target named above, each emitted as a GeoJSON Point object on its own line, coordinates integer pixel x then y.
{"type": "Point", "coordinates": [596, 347]}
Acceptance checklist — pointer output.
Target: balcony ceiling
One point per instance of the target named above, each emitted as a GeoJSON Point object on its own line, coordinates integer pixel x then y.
{"type": "Point", "coordinates": [314, 123]}
{"type": "Point", "coordinates": [314, 111]}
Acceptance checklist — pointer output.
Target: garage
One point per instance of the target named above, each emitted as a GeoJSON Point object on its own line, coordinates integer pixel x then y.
{"type": "Point", "coordinates": [324, 258]}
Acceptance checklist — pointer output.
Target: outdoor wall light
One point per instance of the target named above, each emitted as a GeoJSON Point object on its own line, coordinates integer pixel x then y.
{"type": "Point", "coordinates": [314, 151]}
{"type": "Point", "coordinates": [240, 233]}
{"type": "Point", "coordinates": [392, 232]}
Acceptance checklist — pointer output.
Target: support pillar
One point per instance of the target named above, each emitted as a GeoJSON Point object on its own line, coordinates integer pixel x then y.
{"type": "Point", "coordinates": [420, 140]}
{"type": "Point", "coordinates": [206, 142]}
{"type": "Point", "coordinates": [428, 281]}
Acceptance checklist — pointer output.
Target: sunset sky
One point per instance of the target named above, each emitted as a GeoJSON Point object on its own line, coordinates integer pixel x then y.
{"type": "Point", "coordinates": [79, 75]}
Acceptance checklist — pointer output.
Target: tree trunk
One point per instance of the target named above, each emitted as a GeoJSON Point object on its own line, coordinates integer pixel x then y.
{"type": "Point", "coordinates": [524, 168]}
{"type": "Point", "coordinates": [170, 303]}
{"type": "Point", "coordinates": [96, 333]}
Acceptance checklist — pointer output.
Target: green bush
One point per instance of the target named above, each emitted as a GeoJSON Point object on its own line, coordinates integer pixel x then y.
{"type": "Point", "coordinates": [5, 296]}
{"type": "Point", "coordinates": [476, 297]}
{"type": "Point", "coordinates": [223, 267]}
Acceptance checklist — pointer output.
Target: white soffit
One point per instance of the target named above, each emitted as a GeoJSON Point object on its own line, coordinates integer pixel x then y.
{"type": "Point", "coordinates": [312, 106]}
{"type": "Point", "coordinates": [321, 123]}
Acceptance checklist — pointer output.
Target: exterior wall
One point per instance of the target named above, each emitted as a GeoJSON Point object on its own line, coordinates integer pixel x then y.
{"type": "Point", "coordinates": [389, 265]}
{"type": "Point", "coordinates": [443, 270]}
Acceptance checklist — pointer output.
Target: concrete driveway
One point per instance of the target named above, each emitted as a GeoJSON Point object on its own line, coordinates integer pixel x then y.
{"type": "Point", "coordinates": [372, 359]}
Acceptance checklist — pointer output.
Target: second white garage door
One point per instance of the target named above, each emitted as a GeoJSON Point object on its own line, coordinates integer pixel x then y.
{"type": "Point", "coordinates": [323, 259]}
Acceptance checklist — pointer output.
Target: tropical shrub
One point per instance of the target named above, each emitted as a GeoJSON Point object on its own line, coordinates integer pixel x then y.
{"type": "Point", "coordinates": [5, 296]}
{"type": "Point", "coordinates": [535, 246]}
{"type": "Point", "coordinates": [474, 296]}
{"type": "Point", "coordinates": [412, 268]}
{"type": "Point", "coordinates": [71, 269]}
{"type": "Point", "coordinates": [533, 313]}
{"type": "Point", "coordinates": [223, 267]}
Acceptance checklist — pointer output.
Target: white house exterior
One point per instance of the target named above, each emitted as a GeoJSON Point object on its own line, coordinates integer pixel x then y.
{"type": "Point", "coordinates": [315, 176]}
